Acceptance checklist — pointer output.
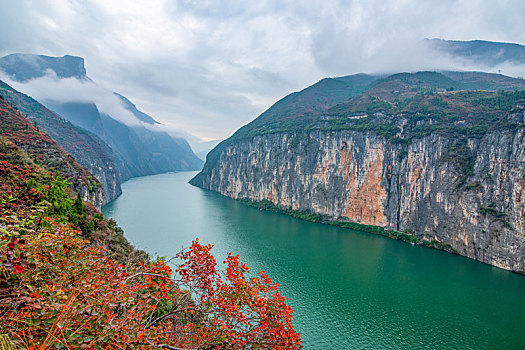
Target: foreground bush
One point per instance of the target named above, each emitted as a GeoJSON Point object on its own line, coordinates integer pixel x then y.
{"type": "Point", "coordinates": [59, 291]}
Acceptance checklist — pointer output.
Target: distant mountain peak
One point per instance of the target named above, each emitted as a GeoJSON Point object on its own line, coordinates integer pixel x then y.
{"type": "Point", "coordinates": [490, 53]}
{"type": "Point", "coordinates": [23, 67]}
{"type": "Point", "coordinates": [127, 104]}
{"type": "Point", "coordinates": [474, 42]}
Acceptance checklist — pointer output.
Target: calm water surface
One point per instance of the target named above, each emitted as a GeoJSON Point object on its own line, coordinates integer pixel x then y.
{"type": "Point", "coordinates": [349, 290]}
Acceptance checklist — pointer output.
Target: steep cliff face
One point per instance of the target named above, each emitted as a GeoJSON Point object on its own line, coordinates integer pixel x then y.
{"type": "Point", "coordinates": [140, 149]}
{"type": "Point", "coordinates": [481, 52]}
{"type": "Point", "coordinates": [456, 178]}
{"type": "Point", "coordinates": [23, 67]}
{"type": "Point", "coordinates": [362, 178]}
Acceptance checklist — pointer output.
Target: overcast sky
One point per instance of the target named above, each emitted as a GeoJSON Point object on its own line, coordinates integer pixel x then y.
{"type": "Point", "coordinates": [210, 66]}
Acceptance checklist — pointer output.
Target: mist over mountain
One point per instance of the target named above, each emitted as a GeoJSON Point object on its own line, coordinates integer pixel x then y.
{"type": "Point", "coordinates": [139, 149]}
{"type": "Point", "coordinates": [480, 51]}
{"type": "Point", "coordinates": [133, 109]}
{"type": "Point", "coordinates": [140, 144]}
{"type": "Point", "coordinates": [23, 67]}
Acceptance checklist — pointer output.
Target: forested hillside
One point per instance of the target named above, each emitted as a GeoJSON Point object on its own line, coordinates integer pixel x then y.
{"type": "Point", "coordinates": [69, 278]}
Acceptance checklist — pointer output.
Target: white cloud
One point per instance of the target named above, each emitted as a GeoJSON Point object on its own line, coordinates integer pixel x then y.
{"type": "Point", "coordinates": [49, 88]}
{"type": "Point", "coordinates": [208, 67]}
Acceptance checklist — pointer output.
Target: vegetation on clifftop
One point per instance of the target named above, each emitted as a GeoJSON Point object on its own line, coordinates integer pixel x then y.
{"type": "Point", "coordinates": [451, 103]}
{"type": "Point", "coordinates": [400, 107]}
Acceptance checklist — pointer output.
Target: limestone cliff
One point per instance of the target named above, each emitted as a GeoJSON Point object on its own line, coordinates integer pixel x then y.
{"type": "Point", "coordinates": [464, 189]}
{"type": "Point", "coordinates": [362, 178]}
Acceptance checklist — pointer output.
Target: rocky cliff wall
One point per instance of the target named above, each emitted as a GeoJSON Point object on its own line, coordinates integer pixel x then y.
{"type": "Point", "coordinates": [475, 203]}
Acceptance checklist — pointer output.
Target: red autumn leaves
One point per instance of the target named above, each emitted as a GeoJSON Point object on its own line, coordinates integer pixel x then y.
{"type": "Point", "coordinates": [74, 295]}
{"type": "Point", "coordinates": [12, 258]}
{"type": "Point", "coordinates": [249, 311]}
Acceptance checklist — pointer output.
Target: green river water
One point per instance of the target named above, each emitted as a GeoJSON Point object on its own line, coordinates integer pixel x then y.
{"type": "Point", "coordinates": [349, 290]}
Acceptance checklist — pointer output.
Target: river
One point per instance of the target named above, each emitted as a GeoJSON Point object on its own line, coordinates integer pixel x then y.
{"type": "Point", "coordinates": [348, 289]}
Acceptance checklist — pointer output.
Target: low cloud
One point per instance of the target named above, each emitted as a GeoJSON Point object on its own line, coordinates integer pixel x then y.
{"type": "Point", "coordinates": [51, 89]}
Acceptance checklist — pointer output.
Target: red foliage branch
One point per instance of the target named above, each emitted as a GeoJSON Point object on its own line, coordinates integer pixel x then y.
{"type": "Point", "coordinates": [250, 312]}
{"type": "Point", "coordinates": [72, 295]}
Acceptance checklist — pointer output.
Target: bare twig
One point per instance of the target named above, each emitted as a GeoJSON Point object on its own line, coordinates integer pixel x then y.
{"type": "Point", "coordinates": [158, 319]}
{"type": "Point", "coordinates": [146, 274]}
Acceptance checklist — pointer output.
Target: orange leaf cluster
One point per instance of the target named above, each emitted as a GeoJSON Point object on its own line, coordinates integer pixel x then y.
{"type": "Point", "coordinates": [71, 295]}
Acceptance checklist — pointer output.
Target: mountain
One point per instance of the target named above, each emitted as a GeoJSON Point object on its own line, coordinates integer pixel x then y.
{"type": "Point", "coordinates": [424, 157]}
{"type": "Point", "coordinates": [488, 53]}
{"type": "Point", "coordinates": [82, 114]}
{"type": "Point", "coordinates": [299, 109]}
{"type": "Point", "coordinates": [20, 131]}
{"type": "Point", "coordinates": [90, 151]}
{"type": "Point", "coordinates": [486, 81]}
{"type": "Point", "coordinates": [138, 150]}
{"type": "Point", "coordinates": [58, 252]}
{"type": "Point", "coordinates": [143, 117]}
{"type": "Point", "coordinates": [137, 147]}
{"type": "Point", "coordinates": [24, 67]}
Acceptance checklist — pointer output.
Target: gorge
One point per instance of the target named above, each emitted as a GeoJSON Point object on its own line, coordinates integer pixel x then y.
{"type": "Point", "coordinates": [114, 148]}
{"type": "Point", "coordinates": [348, 289]}
{"type": "Point", "coordinates": [281, 175]}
